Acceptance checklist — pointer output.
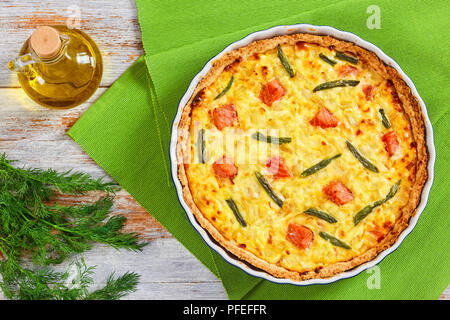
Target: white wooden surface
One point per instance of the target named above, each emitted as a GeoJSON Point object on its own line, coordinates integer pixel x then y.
{"type": "Point", "coordinates": [36, 137]}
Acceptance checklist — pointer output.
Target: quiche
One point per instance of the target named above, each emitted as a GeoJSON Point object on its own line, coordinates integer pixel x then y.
{"type": "Point", "coordinates": [302, 155]}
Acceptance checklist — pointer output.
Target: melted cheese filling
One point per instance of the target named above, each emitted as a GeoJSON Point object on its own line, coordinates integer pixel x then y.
{"type": "Point", "coordinates": [359, 122]}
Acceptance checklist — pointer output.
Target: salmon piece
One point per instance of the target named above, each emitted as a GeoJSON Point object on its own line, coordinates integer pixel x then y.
{"type": "Point", "coordinates": [346, 70]}
{"type": "Point", "coordinates": [391, 142]}
{"type": "Point", "coordinates": [300, 235]}
{"type": "Point", "coordinates": [224, 168]}
{"type": "Point", "coordinates": [277, 168]}
{"type": "Point", "coordinates": [324, 119]}
{"type": "Point", "coordinates": [271, 92]}
{"type": "Point", "coordinates": [338, 192]}
{"type": "Point", "coordinates": [225, 116]}
{"type": "Point", "coordinates": [378, 233]}
{"type": "Point", "coordinates": [368, 91]}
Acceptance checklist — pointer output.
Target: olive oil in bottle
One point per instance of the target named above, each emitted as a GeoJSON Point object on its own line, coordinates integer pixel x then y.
{"type": "Point", "coordinates": [59, 67]}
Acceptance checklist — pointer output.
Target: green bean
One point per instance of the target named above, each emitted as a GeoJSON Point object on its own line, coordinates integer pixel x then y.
{"type": "Point", "coordinates": [274, 140]}
{"type": "Point", "coordinates": [393, 191]}
{"type": "Point", "coordinates": [364, 212]}
{"type": "Point", "coordinates": [326, 59]}
{"type": "Point", "coordinates": [266, 186]}
{"type": "Point", "coordinates": [342, 56]}
{"type": "Point", "coordinates": [335, 84]}
{"type": "Point", "coordinates": [384, 119]}
{"type": "Point", "coordinates": [201, 146]}
{"type": "Point", "coordinates": [320, 214]}
{"type": "Point", "coordinates": [322, 164]}
{"type": "Point", "coordinates": [333, 240]}
{"type": "Point", "coordinates": [236, 212]}
{"type": "Point", "coordinates": [285, 62]}
{"type": "Point", "coordinates": [226, 88]}
{"type": "Point", "coordinates": [366, 163]}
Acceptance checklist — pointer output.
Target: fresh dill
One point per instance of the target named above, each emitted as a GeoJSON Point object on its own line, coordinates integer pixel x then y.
{"type": "Point", "coordinates": [32, 224]}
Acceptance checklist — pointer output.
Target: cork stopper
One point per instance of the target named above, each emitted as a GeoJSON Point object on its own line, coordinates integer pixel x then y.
{"type": "Point", "coordinates": [45, 42]}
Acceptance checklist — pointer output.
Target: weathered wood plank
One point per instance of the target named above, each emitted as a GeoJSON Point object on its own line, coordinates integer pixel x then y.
{"type": "Point", "coordinates": [36, 136]}
{"type": "Point", "coordinates": [112, 24]}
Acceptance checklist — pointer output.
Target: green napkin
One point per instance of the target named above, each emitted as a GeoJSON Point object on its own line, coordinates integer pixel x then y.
{"type": "Point", "coordinates": [127, 131]}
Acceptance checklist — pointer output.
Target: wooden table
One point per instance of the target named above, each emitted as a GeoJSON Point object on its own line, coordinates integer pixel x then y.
{"type": "Point", "coordinates": [37, 137]}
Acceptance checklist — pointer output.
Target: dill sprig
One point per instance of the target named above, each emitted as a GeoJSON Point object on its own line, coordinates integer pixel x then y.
{"type": "Point", "coordinates": [49, 233]}
{"type": "Point", "coordinates": [116, 288]}
{"type": "Point", "coordinates": [73, 284]}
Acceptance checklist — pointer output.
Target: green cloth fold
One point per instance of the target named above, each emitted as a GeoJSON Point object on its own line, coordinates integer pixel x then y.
{"type": "Point", "coordinates": [127, 130]}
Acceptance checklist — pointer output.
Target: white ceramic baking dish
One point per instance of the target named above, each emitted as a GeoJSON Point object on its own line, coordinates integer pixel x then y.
{"type": "Point", "coordinates": [319, 30]}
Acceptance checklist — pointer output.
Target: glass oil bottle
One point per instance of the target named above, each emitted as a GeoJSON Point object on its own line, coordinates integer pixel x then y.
{"type": "Point", "coordinates": [59, 67]}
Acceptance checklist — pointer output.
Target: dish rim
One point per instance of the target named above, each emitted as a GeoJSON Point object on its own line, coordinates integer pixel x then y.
{"type": "Point", "coordinates": [316, 30]}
